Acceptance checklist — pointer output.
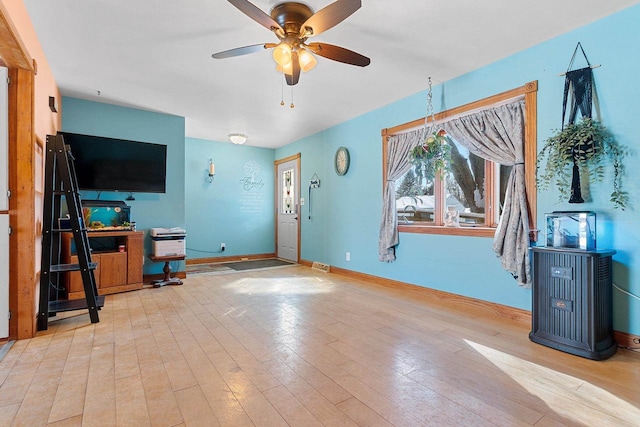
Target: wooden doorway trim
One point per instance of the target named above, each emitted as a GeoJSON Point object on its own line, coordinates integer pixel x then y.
{"type": "Point", "coordinates": [12, 50]}
{"type": "Point", "coordinates": [22, 215]}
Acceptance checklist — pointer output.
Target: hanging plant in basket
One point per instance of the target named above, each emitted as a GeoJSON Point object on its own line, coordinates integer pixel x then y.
{"type": "Point", "coordinates": [433, 156]}
{"type": "Point", "coordinates": [587, 145]}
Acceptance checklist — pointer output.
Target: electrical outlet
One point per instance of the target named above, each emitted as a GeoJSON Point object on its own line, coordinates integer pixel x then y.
{"type": "Point", "coordinates": [223, 246]}
{"type": "Point", "coordinates": [348, 256]}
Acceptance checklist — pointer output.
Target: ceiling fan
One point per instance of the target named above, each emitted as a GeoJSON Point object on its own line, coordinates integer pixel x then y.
{"type": "Point", "coordinates": [293, 23]}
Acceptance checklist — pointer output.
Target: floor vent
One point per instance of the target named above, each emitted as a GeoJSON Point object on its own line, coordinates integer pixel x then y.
{"type": "Point", "coordinates": [320, 267]}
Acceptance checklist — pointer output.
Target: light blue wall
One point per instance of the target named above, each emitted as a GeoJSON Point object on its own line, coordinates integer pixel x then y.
{"type": "Point", "coordinates": [345, 211]}
{"type": "Point", "coordinates": [348, 208]}
{"type": "Point", "coordinates": [147, 210]}
{"type": "Point", "coordinates": [237, 208]}
{"type": "Point", "coordinates": [314, 223]}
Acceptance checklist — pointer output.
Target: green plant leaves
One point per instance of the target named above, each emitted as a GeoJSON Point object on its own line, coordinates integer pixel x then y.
{"type": "Point", "coordinates": [589, 144]}
{"type": "Point", "coordinates": [431, 157]}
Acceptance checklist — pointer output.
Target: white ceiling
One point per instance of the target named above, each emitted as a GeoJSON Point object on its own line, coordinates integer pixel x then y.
{"type": "Point", "coordinates": [156, 55]}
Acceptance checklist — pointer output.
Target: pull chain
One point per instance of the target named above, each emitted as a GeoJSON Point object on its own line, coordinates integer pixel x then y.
{"type": "Point", "coordinates": [292, 106]}
{"type": "Point", "coordinates": [282, 89]}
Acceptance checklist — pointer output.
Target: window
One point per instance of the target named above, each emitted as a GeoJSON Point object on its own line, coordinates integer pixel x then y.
{"type": "Point", "coordinates": [288, 191]}
{"type": "Point", "coordinates": [471, 193]}
{"type": "Point", "coordinates": [468, 199]}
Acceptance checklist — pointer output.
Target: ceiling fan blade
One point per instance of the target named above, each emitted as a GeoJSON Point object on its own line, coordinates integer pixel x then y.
{"type": "Point", "coordinates": [245, 50]}
{"type": "Point", "coordinates": [256, 14]}
{"type": "Point", "coordinates": [339, 54]}
{"type": "Point", "coordinates": [329, 17]}
{"type": "Point", "coordinates": [292, 79]}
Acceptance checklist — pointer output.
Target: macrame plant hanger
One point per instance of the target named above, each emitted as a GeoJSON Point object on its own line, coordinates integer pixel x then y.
{"type": "Point", "coordinates": [579, 84]}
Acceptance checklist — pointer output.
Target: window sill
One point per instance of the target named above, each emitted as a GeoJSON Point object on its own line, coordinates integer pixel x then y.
{"type": "Point", "coordinates": [451, 231]}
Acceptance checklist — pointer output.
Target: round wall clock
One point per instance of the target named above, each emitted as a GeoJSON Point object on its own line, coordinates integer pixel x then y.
{"type": "Point", "coordinates": [341, 162]}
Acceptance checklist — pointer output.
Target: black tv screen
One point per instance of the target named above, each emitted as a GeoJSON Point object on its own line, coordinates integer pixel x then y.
{"type": "Point", "coordinates": [108, 164]}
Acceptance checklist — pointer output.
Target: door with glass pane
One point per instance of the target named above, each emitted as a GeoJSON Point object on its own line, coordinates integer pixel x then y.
{"type": "Point", "coordinates": [287, 207]}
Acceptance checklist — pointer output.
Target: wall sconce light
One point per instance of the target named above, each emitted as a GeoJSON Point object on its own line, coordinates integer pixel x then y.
{"type": "Point", "coordinates": [52, 104]}
{"type": "Point", "coordinates": [212, 170]}
{"type": "Point", "coordinates": [238, 138]}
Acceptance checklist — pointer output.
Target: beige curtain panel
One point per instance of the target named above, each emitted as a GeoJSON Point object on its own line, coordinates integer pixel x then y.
{"type": "Point", "coordinates": [495, 134]}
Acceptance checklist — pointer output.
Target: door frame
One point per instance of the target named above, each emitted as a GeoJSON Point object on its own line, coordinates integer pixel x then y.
{"type": "Point", "coordinates": [276, 199]}
{"type": "Point", "coordinates": [23, 144]}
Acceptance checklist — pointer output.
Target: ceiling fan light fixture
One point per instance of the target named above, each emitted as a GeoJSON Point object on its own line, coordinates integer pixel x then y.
{"type": "Point", "coordinates": [282, 53]}
{"type": "Point", "coordinates": [287, 69]}
{"type": "Point", "coordinates": [307, 60]}
{"type": "Point", "coordinates": [293, 22]}
{"type": "Point", "coordinates": [238, 138]}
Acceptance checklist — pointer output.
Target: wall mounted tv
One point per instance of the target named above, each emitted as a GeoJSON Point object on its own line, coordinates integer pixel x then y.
{"type": "Point", "coordinates": [108, 164]}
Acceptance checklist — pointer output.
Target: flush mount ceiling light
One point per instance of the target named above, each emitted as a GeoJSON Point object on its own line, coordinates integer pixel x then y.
{"type": "Point", "coordinates": [293, 23]}
{"type": "Point", "coordinates": [238, 138]}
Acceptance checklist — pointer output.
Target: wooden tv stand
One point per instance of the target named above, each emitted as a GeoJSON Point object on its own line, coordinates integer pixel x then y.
{"type": "Point", "coordinates": [117, 271]}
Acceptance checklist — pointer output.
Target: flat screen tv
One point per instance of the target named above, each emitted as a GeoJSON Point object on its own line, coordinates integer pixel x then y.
{"type": "Point", "coordinates": [108, 164]}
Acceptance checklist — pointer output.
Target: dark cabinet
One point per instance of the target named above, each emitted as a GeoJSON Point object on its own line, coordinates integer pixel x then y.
{"type": "Point", "coordinates": [572, 301]}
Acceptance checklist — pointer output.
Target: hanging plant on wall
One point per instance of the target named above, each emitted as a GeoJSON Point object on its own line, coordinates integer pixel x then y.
{"type": "Point", "coordinates": [581, 145]}
{"type": "Point", "coordinates": [433, 156]}
{"type": "Point", "coordinates": [586, 145]}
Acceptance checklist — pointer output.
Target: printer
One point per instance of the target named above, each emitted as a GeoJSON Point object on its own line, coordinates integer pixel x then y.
{"type": "Point", "coordinates": [168, 241]}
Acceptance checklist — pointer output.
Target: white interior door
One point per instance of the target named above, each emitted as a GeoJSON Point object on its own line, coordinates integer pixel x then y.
{"type": "Point", "coordinates": [4, 139]}
{"type": "Point", "coordinates": [287, 207]}
{"type": "Point", "coordinates": [4, 204]}
{"type": "Point", "coordinates": [4, 275]}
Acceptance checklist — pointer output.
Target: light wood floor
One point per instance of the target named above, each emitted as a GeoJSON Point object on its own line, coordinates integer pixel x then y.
{"type": "Point", "coordinates": [297, 347]}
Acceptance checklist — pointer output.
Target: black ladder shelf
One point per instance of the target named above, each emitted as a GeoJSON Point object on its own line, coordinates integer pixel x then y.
{"type": "Point", "coordinates": [60, 181]}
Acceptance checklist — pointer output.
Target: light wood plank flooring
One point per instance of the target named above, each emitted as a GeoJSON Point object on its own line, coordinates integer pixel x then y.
{"type": "Point", "coordinates": [297, 347]}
